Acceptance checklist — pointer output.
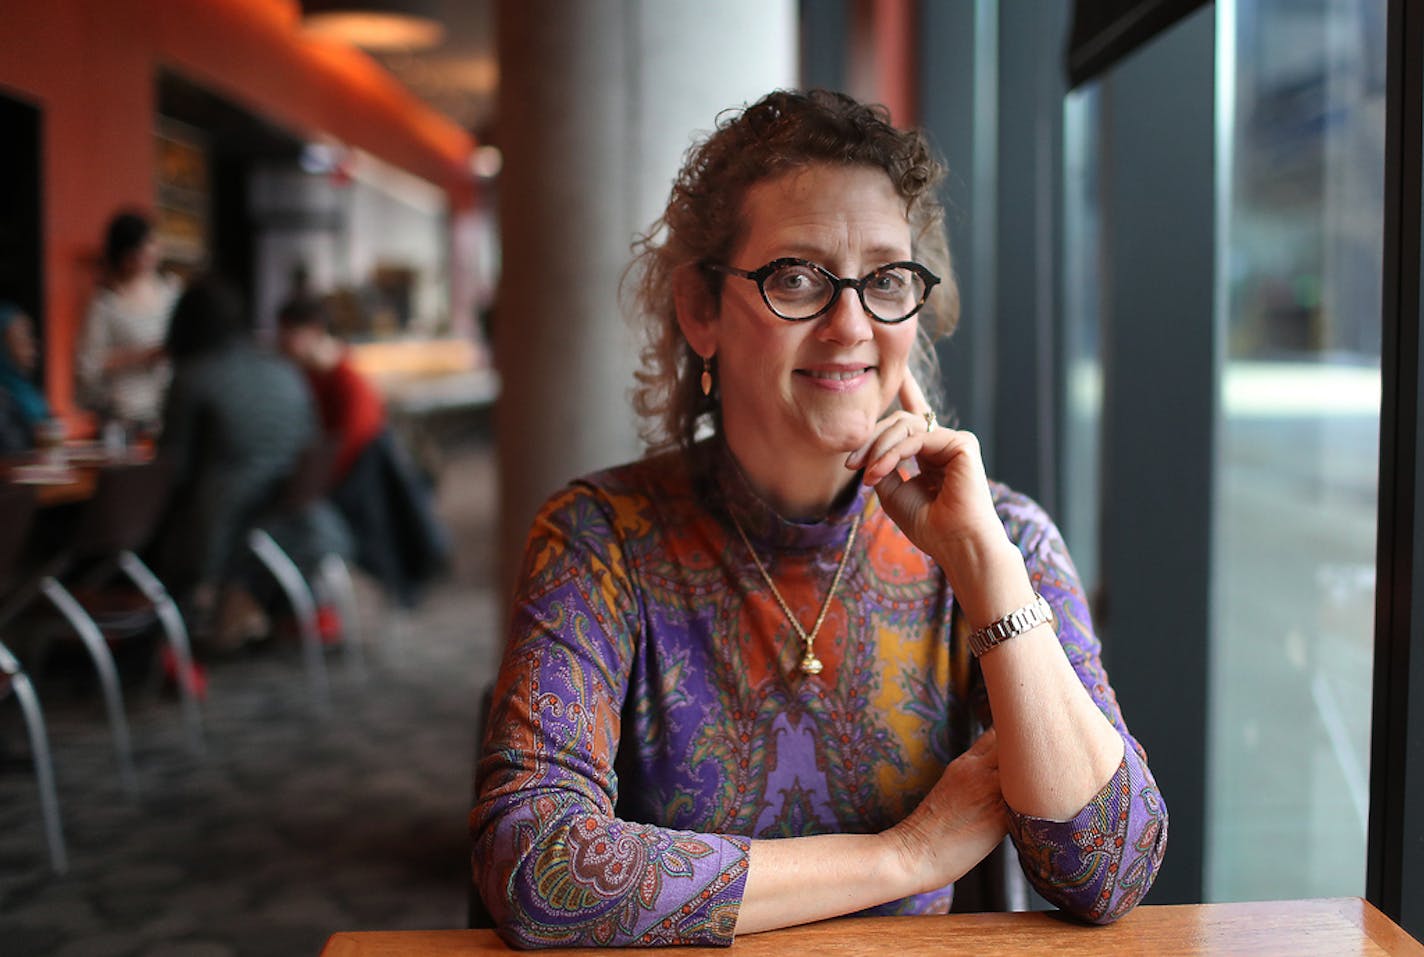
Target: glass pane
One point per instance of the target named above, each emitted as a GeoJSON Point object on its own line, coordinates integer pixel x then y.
{"type": "Point", "coordinates": [1301, 126]}
{"type": "Point", "coordinates": [1083, 370]}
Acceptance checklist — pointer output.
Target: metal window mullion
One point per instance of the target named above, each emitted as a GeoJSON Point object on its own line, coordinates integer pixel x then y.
{"type": "Point", "coordinates": [1395, 864]}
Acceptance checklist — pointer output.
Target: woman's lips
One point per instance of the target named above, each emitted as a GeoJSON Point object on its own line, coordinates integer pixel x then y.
{"type": "Point", "coordinates": [840, 378]}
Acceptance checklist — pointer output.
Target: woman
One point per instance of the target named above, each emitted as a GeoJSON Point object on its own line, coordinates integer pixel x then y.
{"type": "Point", "coordinates": [121, 364]}
{"type": "Point", "coordinates": [234, 424]}
{"type": "Point", "coordinates": [22, 406]}
{"type": "Point", "coordinates": [729, 699]}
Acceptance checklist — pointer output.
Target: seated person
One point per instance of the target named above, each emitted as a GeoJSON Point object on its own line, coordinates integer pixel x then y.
{"type": "Point", "coordinates": [234, 423]}
{"type": "Point", "coordinates": [22, 406]}
{"type": "Point", "coordinates": [399, 539]}
{"type": "Point", "coordinates": [731, 697]}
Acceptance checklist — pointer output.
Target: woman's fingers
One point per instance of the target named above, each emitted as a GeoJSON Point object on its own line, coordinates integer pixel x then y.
{"type": "Point", "coordinates": [912, 397]}
{"type": "Point", "coordinates": [961, 820]}
{"type": "Point", "coordinates": [899, 436]}
{"type": "Point", "coordinates": [986, 744]}
{"type": "Point", "coordinates": [883, 460]}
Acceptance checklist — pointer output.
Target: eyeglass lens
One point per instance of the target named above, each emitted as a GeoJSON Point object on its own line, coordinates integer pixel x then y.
{"type": "Point", "coordinates": [799, 291]}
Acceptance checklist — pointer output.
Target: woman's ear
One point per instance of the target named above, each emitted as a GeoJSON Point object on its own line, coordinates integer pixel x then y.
{"type": "Point", "coordinates": [696, 310]}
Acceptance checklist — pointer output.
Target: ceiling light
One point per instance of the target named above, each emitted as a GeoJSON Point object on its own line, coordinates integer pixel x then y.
{"type": "Point", "coordinates": [374, 24]}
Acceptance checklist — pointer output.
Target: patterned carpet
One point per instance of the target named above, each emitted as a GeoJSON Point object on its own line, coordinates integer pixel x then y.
{"type": "Point", "coordinates": [290, 827]}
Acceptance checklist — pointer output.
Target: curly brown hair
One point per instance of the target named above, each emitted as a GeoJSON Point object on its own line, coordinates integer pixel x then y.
{"type": "Point", "coordinates": [784, 130]}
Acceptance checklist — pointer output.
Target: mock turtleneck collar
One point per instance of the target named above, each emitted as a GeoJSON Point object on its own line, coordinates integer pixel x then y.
{"type": "Point", "coordinates": [731, 490]}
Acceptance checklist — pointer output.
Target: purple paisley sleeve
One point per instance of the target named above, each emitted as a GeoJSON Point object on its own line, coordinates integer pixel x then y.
{"type": "Point", "coordinates": [554, 865]}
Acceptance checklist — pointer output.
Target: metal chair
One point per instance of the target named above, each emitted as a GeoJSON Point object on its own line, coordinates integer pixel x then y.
{"type": "Point", "coordinates": [305, 485]}
{"type": "Point", "coordinates": [17, 505]}
{"type": "Point", "coordinates": [14, 681]}
{"type": "Point", "coordinates": [111, 527]}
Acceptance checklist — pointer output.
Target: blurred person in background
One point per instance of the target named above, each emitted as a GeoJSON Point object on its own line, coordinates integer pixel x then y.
{"type": "Point", "coordinates": [122, 369]}
{"type": "Point", "coordinates": [235, 421]}
{"type": "Point", "coordinates": [22, 405]}
{"type": "Point", "coordinates": [399, 539]}
{"type": "Point", "coordinates": [352, 411]}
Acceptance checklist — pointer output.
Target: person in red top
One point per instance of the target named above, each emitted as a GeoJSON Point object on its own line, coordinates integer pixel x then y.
{"type": "Point", "coordinates": [399, 538]}
{"type": "Point", "coordinates": [352, 411]}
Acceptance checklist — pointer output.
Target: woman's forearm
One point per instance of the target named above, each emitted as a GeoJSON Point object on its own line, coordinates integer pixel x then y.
{"type": "Point", "coordinates": [802, 879]}
{"type": "Point", "coordinates": [1056, 748]}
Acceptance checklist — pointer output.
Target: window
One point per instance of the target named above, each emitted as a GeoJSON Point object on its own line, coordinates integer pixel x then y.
{"type": "Point", "coordinates": [1301, 113]}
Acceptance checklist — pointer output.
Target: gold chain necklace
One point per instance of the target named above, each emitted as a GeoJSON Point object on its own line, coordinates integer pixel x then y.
{"type": "Point", "coordinates": [810, 664]}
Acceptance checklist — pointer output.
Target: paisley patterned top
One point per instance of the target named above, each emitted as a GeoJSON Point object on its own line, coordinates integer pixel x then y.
{"type": "Point", "coordinates": [649, 717]}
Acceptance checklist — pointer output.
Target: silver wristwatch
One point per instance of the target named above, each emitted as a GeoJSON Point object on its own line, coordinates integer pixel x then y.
{"type": "Point", "coordinates": [1012, 625]}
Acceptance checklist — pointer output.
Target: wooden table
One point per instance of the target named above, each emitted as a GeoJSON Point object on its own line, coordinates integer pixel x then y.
{"type": "Point", "coordinates": [79, 488]}
{"type": "Point", "coordinates": [80, 471]}
{"type": "Point", "coordinates": [1334, 927]}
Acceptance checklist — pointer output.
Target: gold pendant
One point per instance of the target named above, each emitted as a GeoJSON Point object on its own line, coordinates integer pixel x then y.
{"type": "Point", "coordinates": [810, 664]}
{"type": "Point", "coordinates": [706, 382]}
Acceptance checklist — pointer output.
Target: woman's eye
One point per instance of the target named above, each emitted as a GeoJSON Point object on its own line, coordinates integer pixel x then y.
{"type": "Point", "coordinates": [793, 280]}
{"type": "Point", "coordinates": [894, 281]}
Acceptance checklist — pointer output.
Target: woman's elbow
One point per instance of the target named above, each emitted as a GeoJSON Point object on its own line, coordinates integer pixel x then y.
{"type": "Point", "coordinates": [1132, 875]}
{"type": "Point", "coordinates": [492, 908]}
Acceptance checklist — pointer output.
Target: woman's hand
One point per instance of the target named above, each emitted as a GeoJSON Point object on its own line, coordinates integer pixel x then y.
{"type": "Point", "coordinates": [958, 823]}
{"type": "Point", "coordinates": [947, 508]}
{"type": "Point", "coordinates": [1059, 749]}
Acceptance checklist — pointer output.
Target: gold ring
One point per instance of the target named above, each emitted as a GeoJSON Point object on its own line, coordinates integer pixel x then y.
{"type": "Point", "coordinates": [930, 421]}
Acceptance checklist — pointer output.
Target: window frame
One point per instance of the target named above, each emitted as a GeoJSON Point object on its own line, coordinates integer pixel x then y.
{"type": "Point", "coordinates": [1395, 844]}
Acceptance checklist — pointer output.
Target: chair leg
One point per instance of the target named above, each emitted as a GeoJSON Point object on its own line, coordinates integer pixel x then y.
{"type": "Point", "coordinates": [176, 634]}
{"type": "Point", "coordinates": [335, 578]}
{"type": "Point", "coordinates": [39, 750]}
{"type": "Point", "coordinates": [93, 639]}
{"type": "Point", "coordinates": [299, 594]}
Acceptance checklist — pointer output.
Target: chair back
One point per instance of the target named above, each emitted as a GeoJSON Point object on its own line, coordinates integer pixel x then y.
{"type": "Point", "coordinates": [124, 512]}
{"type": "Point", "coordinates": [309, 479]}
{"type": "Point", "coordinates": [17, 512]}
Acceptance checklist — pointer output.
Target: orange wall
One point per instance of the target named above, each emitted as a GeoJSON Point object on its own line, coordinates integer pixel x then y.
{"type": "Point", "coordinates": [90, 66]}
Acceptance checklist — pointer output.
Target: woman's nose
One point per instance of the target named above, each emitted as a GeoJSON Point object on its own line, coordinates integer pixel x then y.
{"type": "Point", "coordinates": [847, 322]}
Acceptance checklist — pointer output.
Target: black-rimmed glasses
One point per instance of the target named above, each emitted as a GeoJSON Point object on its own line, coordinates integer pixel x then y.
{"type": "Point", "coordinates": [798, 289]}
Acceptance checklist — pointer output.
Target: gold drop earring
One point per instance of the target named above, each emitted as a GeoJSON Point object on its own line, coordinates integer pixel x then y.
{"type": "Point", "coordinates": [706, 375]}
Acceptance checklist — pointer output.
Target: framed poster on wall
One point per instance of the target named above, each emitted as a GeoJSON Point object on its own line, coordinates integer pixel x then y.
{"type": "Point", "coordinates": [183, 192]}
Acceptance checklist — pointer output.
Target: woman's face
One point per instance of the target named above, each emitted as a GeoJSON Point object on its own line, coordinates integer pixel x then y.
{"type": "Point", "coordinates": [142, 260]}
{"type": "Point", "coordinates": [20, 344]}
{"type": "Point", "coordinates": [821, 384]}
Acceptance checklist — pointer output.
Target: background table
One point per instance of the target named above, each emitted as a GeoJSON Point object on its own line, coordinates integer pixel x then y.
{"type": "Point", "coordinates": [1335, 927]}
{"type": "Point", "coordinates": [81, 464]}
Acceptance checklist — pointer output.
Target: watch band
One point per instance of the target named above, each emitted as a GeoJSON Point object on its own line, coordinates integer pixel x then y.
{"type": "Point", "coordinates": [1012, 625]}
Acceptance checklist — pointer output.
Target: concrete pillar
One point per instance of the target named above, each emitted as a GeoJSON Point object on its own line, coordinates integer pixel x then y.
{"type": "Point", "coordinates": [598, 101]}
